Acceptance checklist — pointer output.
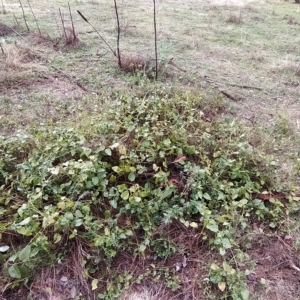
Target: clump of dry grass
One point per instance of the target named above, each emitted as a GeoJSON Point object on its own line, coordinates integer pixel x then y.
{"type": "Point", "coordinates": [22, 56]}
{"type": "Point", "coordinates": [133, 62]}
{"type": "Point", "coordinates": [290, 20]}
{"type": "Point", "coordinates": [234, 18]}
{"type": "Point", "coordinates": [5, 30]}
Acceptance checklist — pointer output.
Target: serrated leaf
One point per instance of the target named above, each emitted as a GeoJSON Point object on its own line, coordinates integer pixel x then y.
{"type": "Point", "coordinates": [131, 176]}
{"type": "Point", "coordinates": [94, 284]}
{"type": "Point", "coordinates": [25, 253]}
{"type": "Point", "coordinates": [125, 195]}
{"type": "Point", "coordinates": [222, 286]}
{"type": "Point", "coordinates": [14, 272]}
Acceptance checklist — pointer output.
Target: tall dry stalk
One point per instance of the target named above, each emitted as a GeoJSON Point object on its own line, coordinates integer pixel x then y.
{"type": "Point", "coordinates": [155, 39]}
{"type": "Point", "coordinates": [24, 15]}
{"type": "Point", "coordinates": [63, 24]}
{"type": "Point", "coordinates": [36, 22]}
{"type": "Point", "coordinates": [3, 8]}
{"type": "Point", "coordinates": [106, 43]}
{"type": "Point", "coordinates": [73, 27]}
{"type": "Point", "coordinates": [118, 39]}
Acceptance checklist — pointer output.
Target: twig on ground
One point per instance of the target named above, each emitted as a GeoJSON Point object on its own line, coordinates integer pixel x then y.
{"type": "Point", "coordinates": [292, 265]}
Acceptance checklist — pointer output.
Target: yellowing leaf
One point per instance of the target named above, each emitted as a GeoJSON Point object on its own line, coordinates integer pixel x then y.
{"type": "Point", "coordinates": [125, 195]}
{"type": "Point", "coordinates": [56, 238]}
{"type": "Point", "coordinates": [222, 286]}
{"type": "Point", "coordinates": [214, 267]}
{"type": "Point", "coordinates": [85, 274]}
{"type": "Point", "coordinates": [94, 284]}
{"type": "Point", "coordinates": [194, 224]}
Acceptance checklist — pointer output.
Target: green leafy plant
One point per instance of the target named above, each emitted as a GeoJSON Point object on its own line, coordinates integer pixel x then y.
{"type": "Point", "coordinates": [147, 160]}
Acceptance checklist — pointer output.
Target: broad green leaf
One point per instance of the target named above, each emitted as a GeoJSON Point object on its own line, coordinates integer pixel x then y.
{"type": "Point", "coordinates": [245, 294]}
{"type": "Point", "coordinates": [213, 227]}
{"type": "Point", "coordinates": [95, 180]}
{"type": "Point", "coordinates": [113, 203]}
{"type": "Point", "coordinates": [116, 169]}
{"type": "Point", "coordinates": [108, 151]}
{"type": "Point", "coordinates": [142, 248]}
{"type": "Point", "coordinates": [125, 195]}
{"type": "Point", "coordinates": [56, 238]}
{"type": "Point", "coordinates": [78, 222]}
{"type": "Point", "coordinates": [94, 284]}
{"type": "Point", "coordinates": [25, 221]}
{"type": "Point", "coordinates": [25, 253]}
{"type": "Point", "coordinates": [222, 251]}
{"type": "Point", "coordinates": [137, 199]}
{"type": "Point", "coordinates": [131, 176]}
{"type": "Point", "coordinates": [206, 196]}
{"type": "Point", "coordinates": [14, 272]}
{"type": "Point", "coordinates": [226, 243]}
{"type": "Point", "coordinates": [242, 203]}
{"type": "Point", "coordinates": [222, 286]}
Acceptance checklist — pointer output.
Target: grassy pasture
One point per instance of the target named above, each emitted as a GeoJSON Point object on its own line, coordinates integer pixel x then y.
{"type": "Point", "coordinates": [244, 61]}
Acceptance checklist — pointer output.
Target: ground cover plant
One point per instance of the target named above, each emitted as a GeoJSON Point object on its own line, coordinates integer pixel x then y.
{"type": "Point", "coordinates": [117, 185]}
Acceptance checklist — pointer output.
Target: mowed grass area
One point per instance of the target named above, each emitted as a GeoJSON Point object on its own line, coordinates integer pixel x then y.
{"type": "Point", "coordinates": [233, 74]}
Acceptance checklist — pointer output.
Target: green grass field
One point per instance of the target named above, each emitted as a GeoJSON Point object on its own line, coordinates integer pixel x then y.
{"type": "Point", "coordinates": [116, 186]}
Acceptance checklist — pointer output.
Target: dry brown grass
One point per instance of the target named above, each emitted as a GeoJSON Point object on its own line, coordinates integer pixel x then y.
{"type": "Point", "coordinates": [22, 56]}
{"type": "Point", "coordinates": [133, 62]}
{"type": "Point", "coordinates": [235, 18]}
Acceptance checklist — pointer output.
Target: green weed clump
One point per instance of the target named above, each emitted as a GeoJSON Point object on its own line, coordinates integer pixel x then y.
{"type": "Point", "coordinates": [110, 181]}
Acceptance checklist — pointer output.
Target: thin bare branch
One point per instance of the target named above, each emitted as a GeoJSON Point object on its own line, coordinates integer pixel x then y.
{"type": "Point", "coordinates": [119, 32]}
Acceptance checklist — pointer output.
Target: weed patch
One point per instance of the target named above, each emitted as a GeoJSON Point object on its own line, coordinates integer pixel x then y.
{"type": "Point", "coordinates": [146, 162]}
